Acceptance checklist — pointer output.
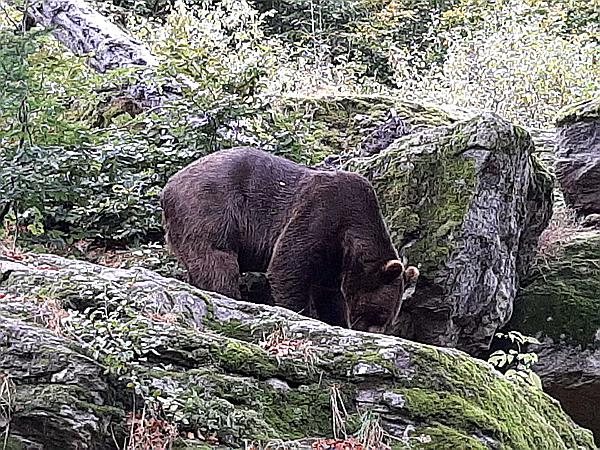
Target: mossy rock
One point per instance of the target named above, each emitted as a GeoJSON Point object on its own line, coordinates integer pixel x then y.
{"type": "Point", "coordinates": [578, 155]}
{"type": "Point", "coordinates": [334, 124]}
{"type": "Point", "coordinates": [560, 300]}
{"type": "Point", "coordinates": [211, 368]}
{"type": "Point", "coordinates": [467, 203]}
{"type": "Point", "coordinates": [560, 306]}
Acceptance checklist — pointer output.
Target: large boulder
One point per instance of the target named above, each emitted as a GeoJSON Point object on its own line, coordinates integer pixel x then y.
{"type": "Point", "coordinates": [578, 155]}
{"type": "Point", "coordinates": [467, 202]}
{"type": "Point", "coordinates": [560, 306]}
{"type": "Point", "coordinates": [83, 346]}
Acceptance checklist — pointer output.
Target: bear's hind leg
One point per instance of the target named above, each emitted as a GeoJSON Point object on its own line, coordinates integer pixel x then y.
{"type": "Point", "coordinates": [217, 271]}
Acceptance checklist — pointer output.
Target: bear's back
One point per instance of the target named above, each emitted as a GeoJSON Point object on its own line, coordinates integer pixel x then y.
{"type": "Point", "coordinates": [250, 177]}
{"type": "Point", "coordinates": [242, 198]}
{"type": "Point", "coordinates": [239, 198]}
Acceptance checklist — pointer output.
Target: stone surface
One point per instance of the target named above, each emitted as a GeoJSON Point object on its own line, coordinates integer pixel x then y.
{"type": "Point", "coordinates": [467, 202]}
{"type": "Point", "coordinates": [217, 369]}
{"type": "Point", "coordinates": [578, 155]}
{"type": "Point", "coordinates": [572, 375]}
{"type": "Point", "coordinates": [86, 32]}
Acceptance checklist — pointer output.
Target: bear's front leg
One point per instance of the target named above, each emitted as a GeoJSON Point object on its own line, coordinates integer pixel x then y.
{"type": "Point", "coordinates": [329, 305]}
{"type": "Point", "coordinates": [289, 288]}
{"type": "Point", "coordinates": [290, 272]}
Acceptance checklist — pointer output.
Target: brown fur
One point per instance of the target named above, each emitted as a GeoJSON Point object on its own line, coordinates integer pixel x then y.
{"type": "Point", "coordinates": [319, 235]}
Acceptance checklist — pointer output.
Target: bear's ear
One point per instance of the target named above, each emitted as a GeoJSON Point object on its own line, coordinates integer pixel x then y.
{"type": "Point", "coordinates": [391, 270]}
{"type": "Point", "coordinates": [411, 273]}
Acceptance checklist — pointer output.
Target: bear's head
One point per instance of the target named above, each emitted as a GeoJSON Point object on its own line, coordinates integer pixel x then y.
{"type": "Point", "coordinates": [373, 293]}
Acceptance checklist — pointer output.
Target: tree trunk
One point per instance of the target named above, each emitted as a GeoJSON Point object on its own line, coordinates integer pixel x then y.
{"type": "Point", "coordinates": [88, 33]}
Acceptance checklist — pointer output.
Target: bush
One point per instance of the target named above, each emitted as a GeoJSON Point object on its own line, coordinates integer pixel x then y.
{"type": "Point", "coordinates": [360, 36]}
{"type": "Point", "coordinates": [520, 61]}
{"type": "Point", "coordinates": [85, 155]}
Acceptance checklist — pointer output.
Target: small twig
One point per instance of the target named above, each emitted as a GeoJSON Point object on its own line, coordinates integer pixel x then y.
{"type": "Point", "coordinates": [132, 121]}
{"type": "Point", "coordinates": [14, 24]}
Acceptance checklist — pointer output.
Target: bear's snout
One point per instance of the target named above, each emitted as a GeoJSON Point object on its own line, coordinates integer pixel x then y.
{"type": "Point", "coordinates": [372, 323]}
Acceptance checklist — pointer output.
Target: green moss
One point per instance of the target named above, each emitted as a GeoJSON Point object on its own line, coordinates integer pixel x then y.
{"type": "Point", "coordinates": [58, 394]}
{"type": "Point", "coordinates": [468, 396]}
{"type": "Point", "coordinates": [232, 328]}
{"type": "Point", "coordinates": [561, 298]}
{"type": "Point", "coordinates": [588, 109]}
{"type": "Point", "coordinates": [12, 444]}
{"type": "Point", "coordinates": [300, 413]}
{"type": "Point", "coordinates": [241, 357]}
{"type": "Point", "coordinates": [245, 408]}
{"type": "Point", "coordinates": [455, 410]}
{"type": "Point", "coordinates": [444, 437]}
{"type": "Point", "coordinates": [425, 192]}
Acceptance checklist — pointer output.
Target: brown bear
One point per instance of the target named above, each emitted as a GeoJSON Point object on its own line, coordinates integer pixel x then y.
{"type": "Point", "coordinates": [318, 234]}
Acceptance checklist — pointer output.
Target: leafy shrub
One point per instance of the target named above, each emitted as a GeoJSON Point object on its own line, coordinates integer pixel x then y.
{"type": "Point", "coordinates": [517, 362]}
{"type": "Point", "coordinates": [360, 34]}
{"type": "Point", "coordinates": [517, 60]}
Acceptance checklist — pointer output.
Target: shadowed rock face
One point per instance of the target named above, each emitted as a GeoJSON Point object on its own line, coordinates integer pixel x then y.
{"type": "Point", "coordinates": [560, 305]}
{"type": "Point", "coordinates": [213, 370]}
{"type": "Point", "coordinates": [578, 162]}
{"type": "Point", "coordinates": [572, 376]}
{"type": "Point", "coordinates": [467, 202]}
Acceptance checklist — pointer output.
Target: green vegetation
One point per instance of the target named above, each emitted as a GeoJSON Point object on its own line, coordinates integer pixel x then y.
{"type": "Point", "coordinates": [84, 155]}
{"type": "Point", "coordinates": [517, 362]}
